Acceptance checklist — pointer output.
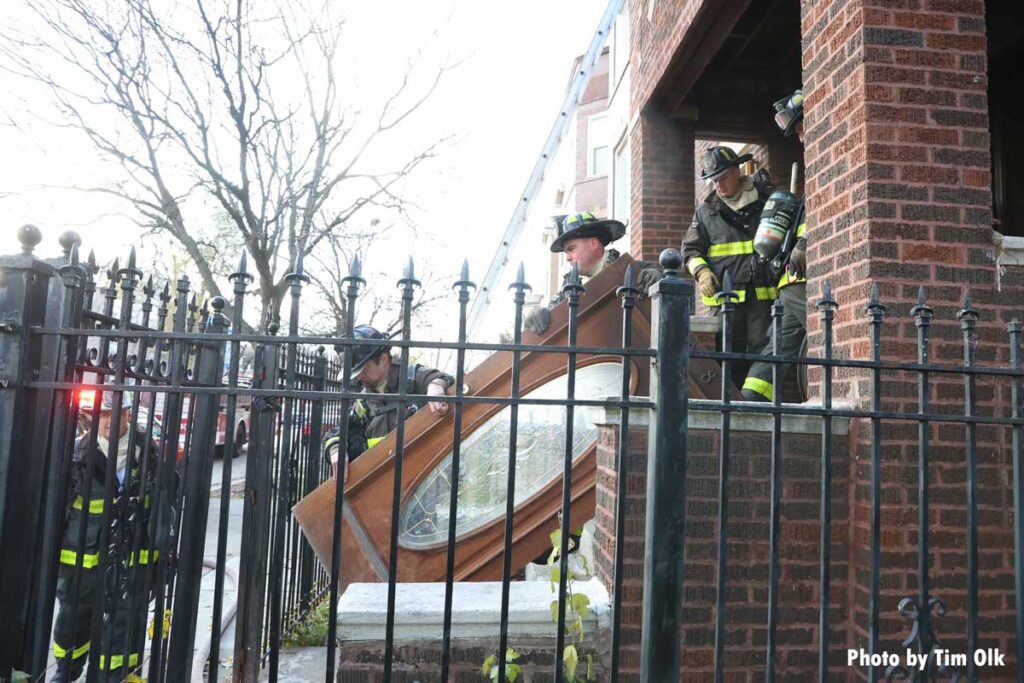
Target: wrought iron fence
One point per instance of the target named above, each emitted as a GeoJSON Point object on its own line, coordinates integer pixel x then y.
{"type": "Point", "coordinates": [149, 513]}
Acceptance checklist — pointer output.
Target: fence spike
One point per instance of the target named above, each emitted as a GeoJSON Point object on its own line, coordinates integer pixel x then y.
{"type": "Point", "coordinates": [131, 258]}
{"type": "Point", "coordinates": [298, 264]}
{"type": "Point", "coordinates": [355, 269]}
{"type": "Point", "coordinates": [464, 274]}
{"type": "Point", "coordinates": [410, 270]}
{"type": "Point", "coordinates": [73, 257]}
{"type": "Point", "coordinates": [874, 294]}
{"type": "Point", "coordinates": [627, 281]}
{"type": "Point", "coordinates": [521, 274]}
{"type": "Point", "coordinates": [91, 262]}
{"type": "Point", "coordinates": [165, 296]}
{"type": "Point", "coordinates": [243, 262]}
{"type": "Point", "coordinates": [114, 267]}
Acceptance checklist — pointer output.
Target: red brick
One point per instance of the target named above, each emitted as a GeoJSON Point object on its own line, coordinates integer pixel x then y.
{"type": "Point", "coordinates": [976, 177]}
{"type": "Point", "coordinates": [922, 20]}
{"type": "Point", "coordinates": [928, 174]}
{"type": "Point", "coordinates": [954, 41]}
{"type": "Point", "coordinates": [931, 253]}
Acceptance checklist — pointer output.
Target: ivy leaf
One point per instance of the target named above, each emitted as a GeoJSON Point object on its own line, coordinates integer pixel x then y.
{"type": "Point", "coordinates": [512, 673]}
{"type": "Point", "coordinates": [571, 660]}
{"type": "Point", "coordinates": [581, 605]}
{"type": "Point", "coordinates": [511, 655]}
{"type": "Point", "coordinates": [590, 666]}
{"type": "Point", "coordinates": [554, 611]}
{"type": "Point", "coordinates": [556, 545]}
{"type": "Point", "coordinates": [488, 664]}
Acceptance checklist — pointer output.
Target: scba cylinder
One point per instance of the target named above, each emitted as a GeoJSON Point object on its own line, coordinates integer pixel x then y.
{"type": "Point", "coordinates": [776, 219]}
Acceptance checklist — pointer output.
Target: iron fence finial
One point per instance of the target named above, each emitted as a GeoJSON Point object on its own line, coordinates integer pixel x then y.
{"type": "Point", "coordinates": [520, 282]}
{"type": "Point", "coordinates": [355, 269]}
{"type": "Point", "coordinates": [29, 236]}
{"type": "Point", "coordinates": [464, 283]}
{"type": "Point", "coordinates": [671, 261]}
{"type": "Point", "coordinates": [875, 308]}
{"type": "Point", "coordinates": [73, 255]}
{"type": "Point", "coordinates": [922, 312]}
{"type": "Point", "coordinates": [68, 240]}
{"type": "Point", "coordinates": [91, 262]}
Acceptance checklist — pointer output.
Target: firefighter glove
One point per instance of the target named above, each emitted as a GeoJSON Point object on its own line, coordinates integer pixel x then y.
{"type": "Point", "coordinates": [798, 261]}
{"type": "Point", "coordinates": [646, 278]}
{"type": "Point", "coordinates": [708, 282]}
{"type": "Point", "coordinates": [537, 321]}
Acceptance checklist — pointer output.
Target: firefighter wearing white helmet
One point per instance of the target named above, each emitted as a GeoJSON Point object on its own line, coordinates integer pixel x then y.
{"type": "Point", "coordinates": [792, 284]}
{"type": "Point", "coordinates": [89, 507]}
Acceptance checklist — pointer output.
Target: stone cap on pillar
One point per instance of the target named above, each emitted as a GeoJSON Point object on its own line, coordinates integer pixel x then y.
{"type": "Point", "coordinates": [419, 610]}
{"type": "Point", "coordinates": [705, 414]}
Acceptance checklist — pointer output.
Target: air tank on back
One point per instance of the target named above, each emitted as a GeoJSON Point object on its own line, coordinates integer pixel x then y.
{"type": "Point", "coordinates": [777, 218]}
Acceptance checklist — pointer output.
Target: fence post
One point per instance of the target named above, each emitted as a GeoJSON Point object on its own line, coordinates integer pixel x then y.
{"type": "Point", "coordinates": [199, 466]}
{"type": "Point", "coordinates": [252, 576]}
{"type": "Point", "coordinates": [313, 464]}
{"type": "Point", "coordinates": [24, 289]}
{"type": "Point", "coordinates": [666, 475]}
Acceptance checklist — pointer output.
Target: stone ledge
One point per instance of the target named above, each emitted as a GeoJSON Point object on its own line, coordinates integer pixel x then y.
{"type": "Point", "coordinates": [419, 613]}
{"type": "Point", "coordinates": [705, 414]}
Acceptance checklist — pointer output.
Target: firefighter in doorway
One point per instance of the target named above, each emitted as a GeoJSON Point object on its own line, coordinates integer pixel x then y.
{"type": "Point", "coordinates": [378, 372]}
{"type": "Point", "coordinates": [720, 241]}
{"type": "Point", "coordinates": [792, 283]}
{"type": "Point", "coordinates": [122, 593]}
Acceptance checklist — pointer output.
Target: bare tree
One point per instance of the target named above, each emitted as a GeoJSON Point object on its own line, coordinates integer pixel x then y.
{"type": "Point", "coordinates": [234, 100]}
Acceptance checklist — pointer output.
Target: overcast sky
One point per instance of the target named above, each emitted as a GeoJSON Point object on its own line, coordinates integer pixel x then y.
{"type": "Point", "coordinates": [498, 104]}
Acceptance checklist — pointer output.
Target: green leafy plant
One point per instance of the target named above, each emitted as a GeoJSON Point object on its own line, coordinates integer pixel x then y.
{"type": "Point", "coordinates": [577, 607]}
{"type": "Point", "coordinates": [311, 631]}
{"type": "Point", "coordinates": [490, 668]}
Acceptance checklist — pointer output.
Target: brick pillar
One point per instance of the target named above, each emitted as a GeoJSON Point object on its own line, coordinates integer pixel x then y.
{"type": "Point", "coordinates": [748, 553]}
{"type": "Point", "coordinates": [898, 195]}
{"type": "Point", "coordinates": [662, 189]}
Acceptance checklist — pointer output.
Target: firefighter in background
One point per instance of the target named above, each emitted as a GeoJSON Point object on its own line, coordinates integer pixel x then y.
{"type": "Point", "coordinates": [720, 241]}
{"type": "Point", "coordinates": [80, 549]}
{"type": "Point", "coordinates": [376, 371]}
{"type": "Point", "coordinates": [792, 284]}
{"type": "Point", "coordinates": [584, 239]}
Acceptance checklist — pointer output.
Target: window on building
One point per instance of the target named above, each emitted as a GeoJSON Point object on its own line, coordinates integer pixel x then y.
{"type": "Point", "coordinates": [597, 146]}
{"type": "Point", "coordinates": [621, 181]}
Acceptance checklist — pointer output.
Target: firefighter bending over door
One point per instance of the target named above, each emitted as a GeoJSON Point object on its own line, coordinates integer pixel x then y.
{"type": "Point", "coordinates": [792, 283]}
{"type": "Point", "coordinates": [720, 241]}
{"type": "Point", "coordinates": [123, 593]}
{"type": "Point", "coordinates": [584, 239]}
{"type": "Point", "coordinates": [377, 372]}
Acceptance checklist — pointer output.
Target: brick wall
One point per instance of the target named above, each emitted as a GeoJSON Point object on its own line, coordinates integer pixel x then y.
{"type": "Point", "coordinates": [748, 551]}
{"type": "Point", "coordinates": [662, 199]}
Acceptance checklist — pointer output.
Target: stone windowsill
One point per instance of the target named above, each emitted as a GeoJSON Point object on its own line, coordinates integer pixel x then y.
{"type": "Point", "coordinates": [419, 613]}
{"type": "Point", "coordinates": [704, 414]}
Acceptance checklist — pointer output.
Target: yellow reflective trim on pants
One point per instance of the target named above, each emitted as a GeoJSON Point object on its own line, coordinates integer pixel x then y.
{"type": "Point", "coordinates": [117, 661]}
{"type": "Point", "coordinates": [762, 294]}
{"type": "Point", "coordinates": [370, 443]}
{"type": "Point", "coordinates": [96, 505]}
{"type": "Point", "coordinates": [731, 249]}
{"type": "Point", "coordinates": [766, 293]}
{"type": "Point", "coordinates": [61, 653]}
{"type": "Point", "coordinates": [695, 264]}
{"type": "Point", "coordinates": [760, 386]}
{"type": "Point", "coordinates": [89, 560]}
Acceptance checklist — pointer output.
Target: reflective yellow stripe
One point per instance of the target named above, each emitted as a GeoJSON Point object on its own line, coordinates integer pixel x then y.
{"type": "Point", "coordinates": [762, 293]}
{"type": "Point", "coordinates": [117, 661]}
{"type": "Point", "coordinates": [695, 264]}
{"type": "Point", "coordinates": [788, 279]}
{"type": "Point", "coordinates": [96, 505]}
{"type": "Point", "coordinates": [731, 249]}
{"type": "Point", "coordinates": [801, 229]}
{"type": "Point", "coordinates": [360, 409]}
{"type": "Point", "coordinates": [144, 557]}
{"type": "Point", "coordinates": [760, 386]}
{"type": "Point", "coordinates": [89, 560]}
{"type": "Point", "coordinates": [61, 653]}
{"type": "Point", "coordinates": [370, 443]}
{"type": "Point", "coordinates": [741, 296]}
